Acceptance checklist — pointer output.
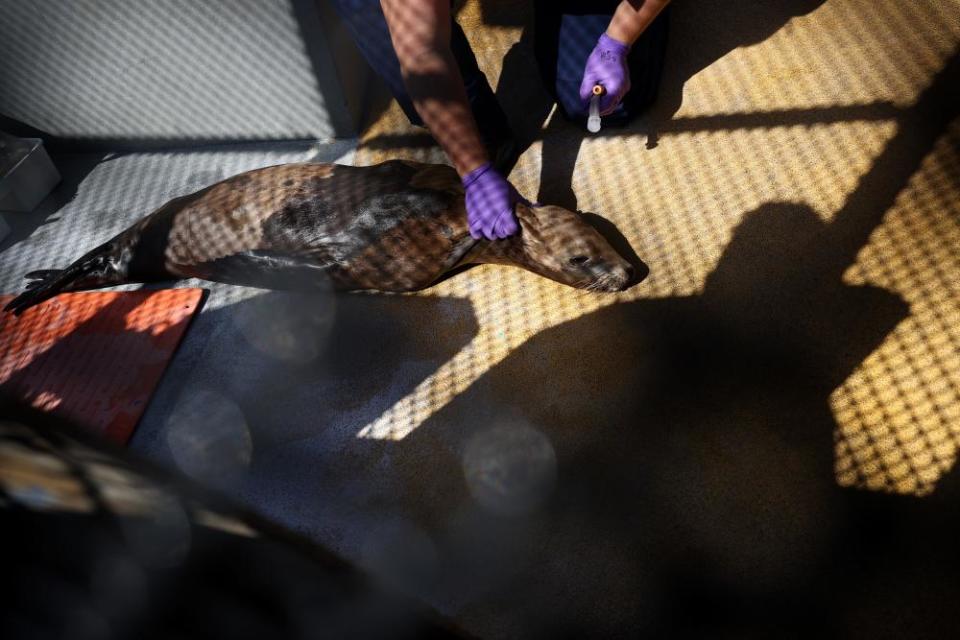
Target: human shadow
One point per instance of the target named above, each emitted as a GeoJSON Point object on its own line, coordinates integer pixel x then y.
{"type": "Point", "coordinates": [703, 32]}
{"type": "Point", "coordinates": [693, 447]}
{"type": "Point", "coordinates": [668, 465]}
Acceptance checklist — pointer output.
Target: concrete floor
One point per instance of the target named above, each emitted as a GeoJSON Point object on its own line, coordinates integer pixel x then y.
{"type": "Point", "coordinates": [758, 440]}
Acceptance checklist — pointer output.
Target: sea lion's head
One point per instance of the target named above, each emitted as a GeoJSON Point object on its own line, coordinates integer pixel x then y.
{"type": "Point", "coordinates": [561, 245]}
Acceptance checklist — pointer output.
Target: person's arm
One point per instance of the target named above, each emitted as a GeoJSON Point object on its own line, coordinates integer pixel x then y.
{"type": "Point", "coordinates": [420, 31]}
{"type": "Point", "coordinates": [607, 64]}
{"type": "Point", "coordinates": [632, 17]}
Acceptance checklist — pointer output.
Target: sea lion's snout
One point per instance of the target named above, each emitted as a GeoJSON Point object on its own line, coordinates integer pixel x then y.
{"type": "Point", "coordinates": [605, 275]}
{"type": "Point", "coordinates": [622, 276]}
{"type": "Point", "coordinates": [561, 245]}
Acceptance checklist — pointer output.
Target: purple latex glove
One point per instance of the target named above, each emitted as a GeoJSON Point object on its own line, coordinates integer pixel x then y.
{"type": "Point", "coordinates": [606, 66]}
{"type": "Point", "coordinates": [490, 200]}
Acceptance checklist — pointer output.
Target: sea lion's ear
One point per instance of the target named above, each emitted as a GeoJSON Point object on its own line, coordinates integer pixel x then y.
{"type": "Point", "coordinates": [438, 177]}
{"type": "Point", "coordinates": [525, 212]}
{"type": "Point", "coordinates": [534, 208]}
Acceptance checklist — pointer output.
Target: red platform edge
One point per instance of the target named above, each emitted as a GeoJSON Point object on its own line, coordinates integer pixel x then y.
{"type": "Point", "coordinates": [94, 358]}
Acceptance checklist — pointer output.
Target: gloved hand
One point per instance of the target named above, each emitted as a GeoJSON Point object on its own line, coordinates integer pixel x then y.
{"type": "Point", "coordinates": [490, 200]}
{"type": "Point", "coordinates": [606, 66]}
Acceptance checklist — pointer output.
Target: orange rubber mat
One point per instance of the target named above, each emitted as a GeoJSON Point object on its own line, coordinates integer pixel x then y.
{"type": "Point", "coordinates": [94, 357]}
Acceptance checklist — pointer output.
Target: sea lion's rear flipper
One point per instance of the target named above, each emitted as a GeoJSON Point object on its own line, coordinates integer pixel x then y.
{"type": "Point", "coordinates": [98, 268]}
{"type": "Point", "coordinates": [265, 270]}
{"type": "Point", "coordinates": [37, 276]}
{"type": "Point", "coordinates": [43, 285]}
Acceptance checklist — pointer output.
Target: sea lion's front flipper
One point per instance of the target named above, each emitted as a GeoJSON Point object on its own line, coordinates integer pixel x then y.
{"type": "Point", "coordinates": [266, 270]}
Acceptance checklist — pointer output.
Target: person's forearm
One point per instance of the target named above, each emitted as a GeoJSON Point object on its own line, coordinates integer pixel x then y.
{"type": "Point", "coordinates": [437, 92]}
{"type": "Point", "coordinates": [632, 17]}
{"type": "Point", "coordinates": [420, 31]}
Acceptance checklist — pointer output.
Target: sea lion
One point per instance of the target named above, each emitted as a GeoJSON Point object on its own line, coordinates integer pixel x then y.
{"type": "Point", "coordinates": [395, 226]}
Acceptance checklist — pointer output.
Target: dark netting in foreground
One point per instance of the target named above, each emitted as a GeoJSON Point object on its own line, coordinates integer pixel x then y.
{"type": "Point", "coordinates": [98, 546]}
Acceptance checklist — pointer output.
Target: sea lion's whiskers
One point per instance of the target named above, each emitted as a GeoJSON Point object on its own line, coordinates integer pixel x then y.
{"type": "Point", "coordinates": [605, 282]}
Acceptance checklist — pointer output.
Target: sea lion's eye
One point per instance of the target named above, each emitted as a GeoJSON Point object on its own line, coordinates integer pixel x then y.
{"type": "Point", "coordinates": [579, 260]}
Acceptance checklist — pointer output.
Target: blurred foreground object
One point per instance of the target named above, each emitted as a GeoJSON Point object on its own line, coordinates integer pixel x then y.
{"type": "Point", "coordinates": [27, 174]}
{"type": "Point", "coordinates": [97, 547]}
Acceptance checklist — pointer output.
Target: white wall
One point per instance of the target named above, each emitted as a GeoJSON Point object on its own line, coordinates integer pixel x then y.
{"type": "Point", "coordinates": [174, 71]}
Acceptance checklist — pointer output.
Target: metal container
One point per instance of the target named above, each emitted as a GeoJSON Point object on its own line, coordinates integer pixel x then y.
{"type": "Point", "coordinates": [27, 174]}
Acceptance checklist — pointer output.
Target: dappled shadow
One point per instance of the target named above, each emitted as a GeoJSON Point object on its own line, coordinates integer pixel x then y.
{"type": "Point", "coordinates": [703, 32]}
{"type": "Point", "coordinates": [693, 447]}
{"type": "Point", "coordinates": [668, 465]}
{"type": "Point", "coordinates": [164, 76]}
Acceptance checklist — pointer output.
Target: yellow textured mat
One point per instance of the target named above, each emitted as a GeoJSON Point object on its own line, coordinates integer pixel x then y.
{"type": "Point", "coordinates": [838, 118]}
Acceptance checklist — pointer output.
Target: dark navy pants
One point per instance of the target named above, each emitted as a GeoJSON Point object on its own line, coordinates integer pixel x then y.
{"type": "Point", "coordinates": [364, 19]}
